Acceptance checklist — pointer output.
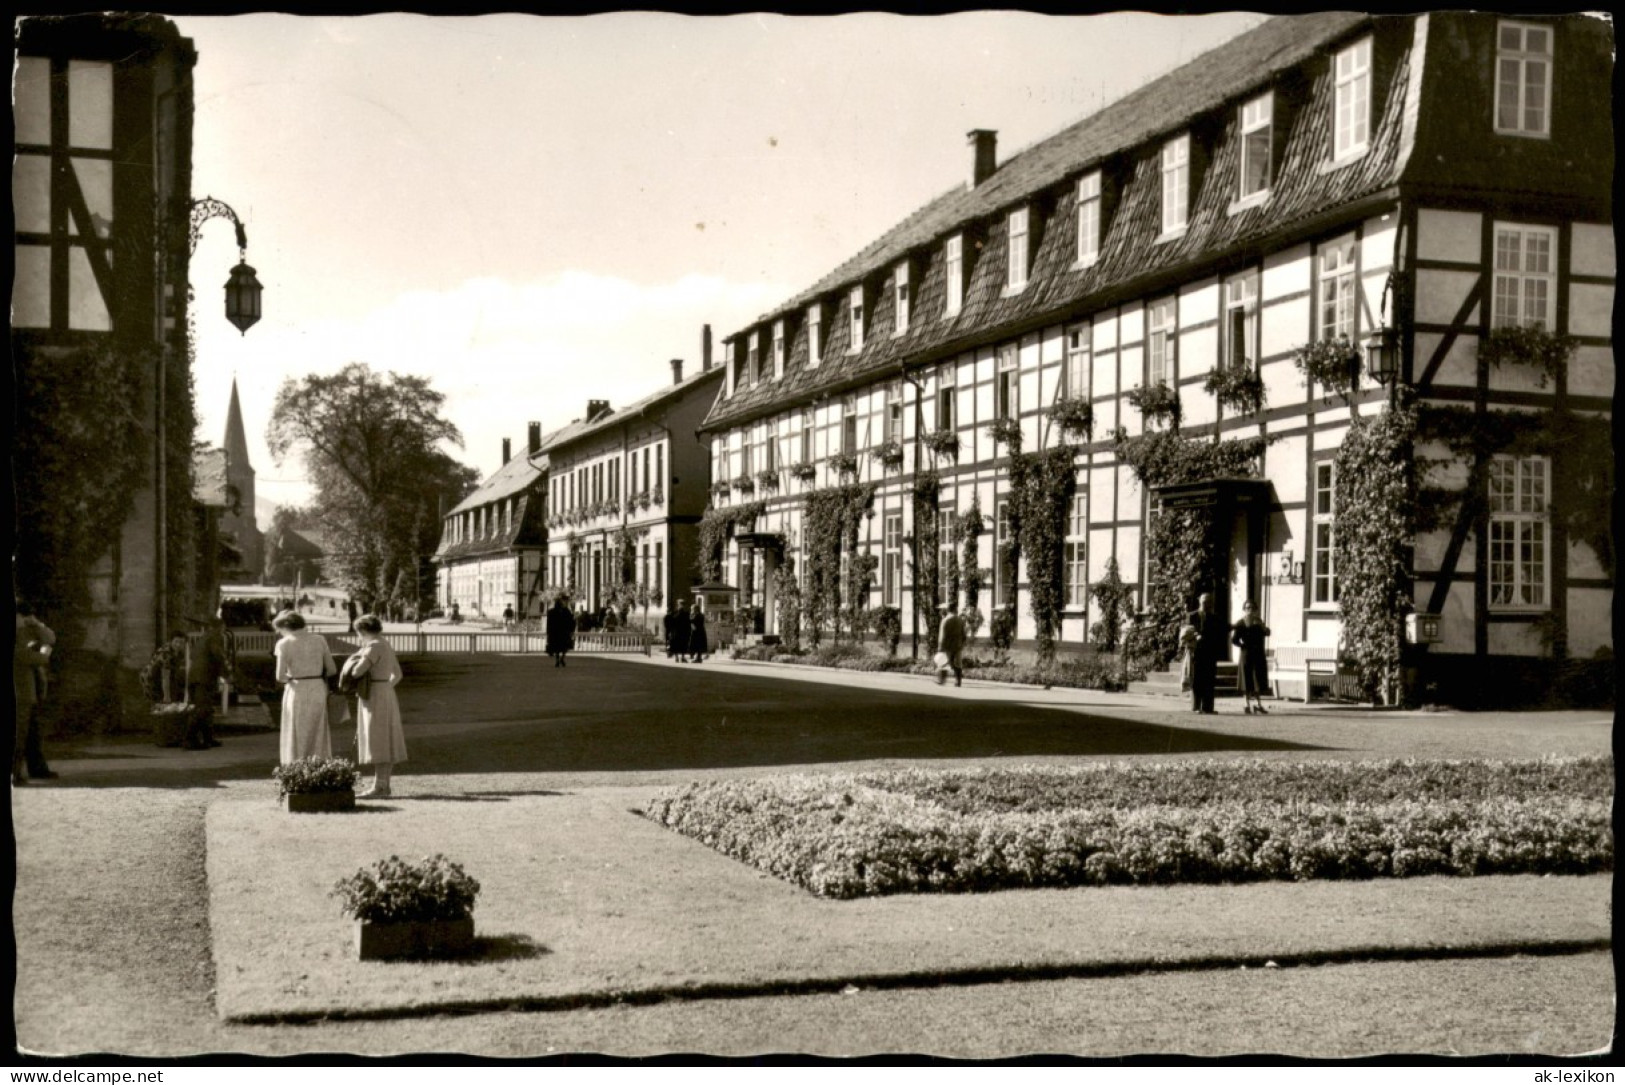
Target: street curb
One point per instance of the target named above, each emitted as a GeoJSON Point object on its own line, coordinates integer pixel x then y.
{"type": "Point", "coordinates": [893, 981]}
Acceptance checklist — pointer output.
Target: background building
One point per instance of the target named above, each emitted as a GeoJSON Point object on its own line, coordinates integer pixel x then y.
{"type": "Point", "coordinates": [492, 543]}
{"type": "Point", "coordinates": [237, 522]}
{"type": "Point", "coordinates": [1163, 266]}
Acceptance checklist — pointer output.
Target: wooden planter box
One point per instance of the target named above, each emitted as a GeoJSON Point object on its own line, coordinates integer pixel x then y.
{"type": "Point", "coordinates": [409, 941]}
{"type": "Point", "coordinates": [319, 802]}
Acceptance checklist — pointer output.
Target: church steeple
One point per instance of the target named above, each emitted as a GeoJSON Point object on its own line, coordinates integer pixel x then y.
{"type": "Point", "coordinates": [236, 440]}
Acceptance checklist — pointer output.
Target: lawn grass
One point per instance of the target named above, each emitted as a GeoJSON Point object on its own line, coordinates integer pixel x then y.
{"type": "Point", "coordinates": [585, 904]}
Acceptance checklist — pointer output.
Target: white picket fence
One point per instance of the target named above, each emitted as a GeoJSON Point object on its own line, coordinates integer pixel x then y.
{"type": "Point", "coordinates": [445, 643]}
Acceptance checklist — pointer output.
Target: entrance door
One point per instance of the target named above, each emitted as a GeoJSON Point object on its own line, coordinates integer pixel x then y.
{"type": "Point", "coordinates": [1237, 570]}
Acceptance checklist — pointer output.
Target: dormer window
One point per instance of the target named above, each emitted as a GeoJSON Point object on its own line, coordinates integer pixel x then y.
{"type": "Point", "coordinates": [1351, 110]}
{"type": "Point", "coordinates": [1523, 79]}
{"type": "Point", "coordinates": [1088, 218]}
{"type": "Point", "coordinates": [1017, 277]}
{"type": "Point", "coordinates": [1257, 118]}
{"type": "Point", "coordinates": [1176, 181]}
{"type": "Point", "coordinates": [815, 335]}
{"type": "Point", "coordinates": [904, 292]}
{"type": "Point", "coordinates": [753, 358]}
{"type": "Point", "coordinates": [778, 349]}
{"type": "Point", "coordinates": [953, 261]}
{"type": "Point", "coordinates": [856, 306]}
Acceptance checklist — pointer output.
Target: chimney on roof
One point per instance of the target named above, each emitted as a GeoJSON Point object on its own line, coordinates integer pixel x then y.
{"type": "Point", "coordinates": [677, 371]}
{"type": "Point", "coordinates": [984, 154]}
{"type": "Point", "coordinates": [596, 408]}
{"type": "Point", "coordinates": [507, 451]}
{"type": "Point", "coordinates": [535, 438]}
{"type": "Point", "coordinates": [705, 347]}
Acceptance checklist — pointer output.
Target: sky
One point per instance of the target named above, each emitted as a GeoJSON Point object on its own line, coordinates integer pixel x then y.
{"type": "Point", "coordinates": [537, 211]}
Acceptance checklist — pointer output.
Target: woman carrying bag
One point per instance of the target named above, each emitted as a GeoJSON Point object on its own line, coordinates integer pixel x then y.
{"type": "Point", "coordinates": [371, 674]}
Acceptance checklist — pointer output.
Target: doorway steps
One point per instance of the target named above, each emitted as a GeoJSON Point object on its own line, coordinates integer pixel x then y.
{"type": "Point", "coordinates": [1166, 683]}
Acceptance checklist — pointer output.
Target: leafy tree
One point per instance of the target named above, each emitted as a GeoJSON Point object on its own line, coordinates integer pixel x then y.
{"type": "Point", "coordinates": [371, 446]}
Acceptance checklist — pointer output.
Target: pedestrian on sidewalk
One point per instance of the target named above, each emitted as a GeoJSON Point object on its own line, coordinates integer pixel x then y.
{"type": "Point", "coordinates": [205, 670]}
{"type": "Point", "coordinates": [303, 665]}
{"type": "Point", "coordinates": [681, 626]}
{"type": "Point", "coordinates": [1248, 635]}
{"type": "Point", "coordinates": [668, 624]}
{"type": "Point", "coordinates": [372, 674]}
{"type": "Point", "coordinates": [30, 679]}
{"type": "Point", "coordinates": [1187, 653]}
{"type": "Point", "coordinates": [1211, 635]}
{"type": "Point", "coordinates": [951, 646]}
{"type": "Point", "coordinates": [698, 646]}
{"type": "Point", "coordinates": [561, 630]}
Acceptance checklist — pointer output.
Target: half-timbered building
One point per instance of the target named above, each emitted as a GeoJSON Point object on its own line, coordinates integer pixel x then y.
{"type": "Point", "coordinates": [493, 541]}
{"type": "Point", "coordinates": [1421, 179]}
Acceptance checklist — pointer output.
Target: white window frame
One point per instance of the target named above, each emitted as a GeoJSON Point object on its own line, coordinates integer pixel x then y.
{"type": "Point", "coordinates": [1007, 383]}
{"type": "Point", "coordinates": [953, 262]}
{"type": "Point", "coordinates": [809, 426]}
{"type": "Point", "coordinates": [947, 409]}
{"type": "Point", "coordinates": [1076, 369]}
{"type": "Point", "coordinates": [1337, 289]}
{"type": "Point", "coordinates": [1254, 177]}
{"type": "Point", "coordinates": [1176, 181]}
{"type": "Point", "coordinates": [1351, 100]}
{"type": "Point", "coordinates": [1002, 591]}
{"type": "Point", "coordinates": [945, 552]}
{"type": "Point", "coordinates": [1525, 271]}
{"type": "Point", "coordinates": [849, 426]}
{"type": "Point", "coordinates": [778, 349]}
{"type": "Point", "coordinates": [1241, 321]}
{"type": "Point", "coordinates": [1162, 337]}
{"type": "Point", "coordinates": [1017, 225]}
{"type": "Point", "coordinates": [815, 335]}
{"type": "Point", "coordinates": [1089, 218]}
{"type": "Point", "coordinates": [891, 588]}
{"type": "Point", "coordinates": [1520, 524]}
{"type": "Point", "coordinates": [903, 291]}
{"type": "Point", "coordinates": [855, 311]}
{"type": "Point", "coordinates": [893, 419]}
{"type": "Point", "coordinates": [1075, 556]}
{"type": "Point", "coordinates": [1529, 69]}
{"type": "Point", "coordinates": [1323, 589]}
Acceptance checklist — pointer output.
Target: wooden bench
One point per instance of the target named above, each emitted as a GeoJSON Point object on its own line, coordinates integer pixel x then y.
{"type": "Point", "coordinates": [1298, 670]}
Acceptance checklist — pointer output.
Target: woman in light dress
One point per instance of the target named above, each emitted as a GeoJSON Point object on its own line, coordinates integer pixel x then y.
{"type": "Point", "coordinates": [379, 739]}
{"type": "Point", "coordinates": [303, 665]}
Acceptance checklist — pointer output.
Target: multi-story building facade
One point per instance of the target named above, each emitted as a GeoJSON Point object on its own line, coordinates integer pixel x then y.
{"type": "Point", "coordinates": [1437, 176]}
{"type": "Point", "coordinates": [626, 490]}
{"type": "Point", "coordinates": [107, 539]}
{"type": "Point", "coordinates": [493, 542]}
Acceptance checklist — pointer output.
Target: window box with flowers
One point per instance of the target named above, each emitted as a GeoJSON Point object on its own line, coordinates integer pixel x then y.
{"type": "Point", "coordinates": [1075, 416]}
{"type": "Point", "coordinates": [745, 485]}
{"type": "Point", "coordinates": [657, 496]}
{"type": "Point", "coordinates": [1534, 346]}
{"type": "Point", "coordinates": [889, 454]}
{"type": "Point", "coordinates": [767, 481]}
{"type": "Point", "coordinates": [720, 488]}
{"type": "Point", "coordinates": [1333, 364]}
{"type": "Point", "coordinates": [408, 910]}
{"type": "Point", "coordinates": [844, 463]}
{"type": "Point", "coordinates": [1158, 403]}
{"type": "Point", "coordinates": [1006, 432]}
{"type": "Point", "coordinates": [316, 785]}
{"type": "Point", "coordinates": [942, 443]}
{"type": "Point", "coordinates": [1238, 388]}
{"type": "Point", "coordinates": [805, 472]}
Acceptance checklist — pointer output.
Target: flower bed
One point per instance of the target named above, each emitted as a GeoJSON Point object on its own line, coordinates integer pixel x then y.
{"type": "Point", "coordinates": [1190, 821]}
{"type": "Point", "coordinates": [1102, 672]}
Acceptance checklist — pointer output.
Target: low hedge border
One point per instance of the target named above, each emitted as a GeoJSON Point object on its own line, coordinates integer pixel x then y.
{"type": "Point", "coordinates": [849, 836]}
{"type": "Point", "coordinates": [1090, 672]}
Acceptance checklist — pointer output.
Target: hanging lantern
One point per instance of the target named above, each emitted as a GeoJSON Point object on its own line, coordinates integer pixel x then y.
{"type": "Point", "coordinates": [1382, 354]}
{"type": "Point", "coordinates": [243, 297]}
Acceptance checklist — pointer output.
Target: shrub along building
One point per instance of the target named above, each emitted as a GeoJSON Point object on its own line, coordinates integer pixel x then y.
{"type": "Point", "coordinates": [493, 542]}
{"type": "Point", "coordinates": [108, 540]}
{"type": "Point", "coordinates": [626, 489]}
{"type": "Point", "coordinates": [1139, 348]}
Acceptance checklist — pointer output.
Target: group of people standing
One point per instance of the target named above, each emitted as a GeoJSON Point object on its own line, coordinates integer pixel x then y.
{"type": "Point", "coordinates": [686, 640]}
{"type": "Point", "coordinates": [1202, 642]}
{"type": "Point", "coordinates": [305, 666]}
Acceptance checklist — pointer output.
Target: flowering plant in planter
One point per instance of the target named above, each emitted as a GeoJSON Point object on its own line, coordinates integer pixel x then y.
{"type": "Point", "coordinates": [1331, 363]}
{"type": "Point", "coordinates": [394, 890]}
{"type": "Point", "coordinates": [888, 454]}
{"type": "Point", "coordinates": [1534, 346]}
{"type": "Point", "coordinates": [1075, 415]}
{"type": "Point", "coordinates": [745, 484]}
{"type": "Point", "coordinates": [1007, 432]}
{"type": "Point", "coordinates": [942, 443]}
{"type": "Point", "coordinates": [314, 775]}
{"type": "Point", "coordinates": [767, 481]}
{"type": "Point", "coordinates": [1156, 403]}
{"type": "Point", "coordinates": [806, 472]}
{"type": "Point", "coordinates": [720, 488]}
{"type": "Point", "coordinates": [844, 463]}
{"type": "Point", "coordinates": [1238, 387]}
{"type": "Point", "coordinates": [657, 496]}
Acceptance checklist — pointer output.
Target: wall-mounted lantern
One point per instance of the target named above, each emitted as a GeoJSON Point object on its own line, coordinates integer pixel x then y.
{"type": "Point", "coordinates": [243, 289]}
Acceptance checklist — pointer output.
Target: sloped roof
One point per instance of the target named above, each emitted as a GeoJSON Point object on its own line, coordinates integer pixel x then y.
{"type": "Point", "coordinates": [511, 478]}
{"type": "Point", "coordinates": [1163, 105]}
{"type": "Point", "coordinates": [512, 536]}
{"type": "Point", "coordinates": [580, 431]}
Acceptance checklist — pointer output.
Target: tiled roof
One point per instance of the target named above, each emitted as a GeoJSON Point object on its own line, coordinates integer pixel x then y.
{"type": "Point", "coordinates": [511, 478]}
{"type": "Point", "coordinates": [1121, 137]}
{"type": "Point", "coordinates": [491, 544]}
{"type": "Point", "coordinates": [580, 431]}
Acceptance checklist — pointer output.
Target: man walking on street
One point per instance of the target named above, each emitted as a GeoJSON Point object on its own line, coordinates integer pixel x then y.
{"type": "Point", "coordinates": [1210, 643]}
{"type": "Point", "coordinates": [951, 646]}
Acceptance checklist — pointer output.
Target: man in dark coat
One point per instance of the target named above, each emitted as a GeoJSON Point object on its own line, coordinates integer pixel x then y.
{"type": "Point", "coordinates": [1211, 638]}
{"type": "Point", "coordinates": [561, 630]}
{"type": "Point", "coordinates": [679, 634]}
{"type": "Point", "coordinates": [667, 625]}
{"type": "Point", "coordinates": [205, 667]}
